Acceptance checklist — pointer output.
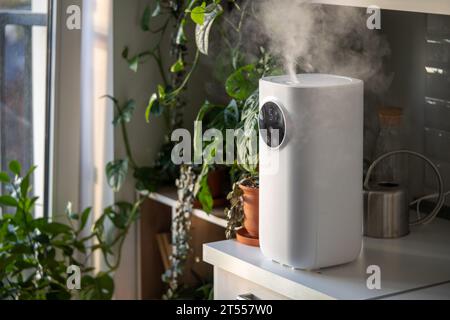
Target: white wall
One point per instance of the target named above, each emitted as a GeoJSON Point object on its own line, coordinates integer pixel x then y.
{"type": "Point", "coordinates": [39, 65]}
{"type": "Point", "coordinates": [66, 118]}
{"type": "Point", "coordinates": [145, 138]}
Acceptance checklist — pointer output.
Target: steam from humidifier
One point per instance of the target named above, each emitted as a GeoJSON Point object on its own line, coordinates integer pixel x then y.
{"type": "Point", "coordinates": [323, 39]}
{"type": "Point", "coordinates": [288, 25]}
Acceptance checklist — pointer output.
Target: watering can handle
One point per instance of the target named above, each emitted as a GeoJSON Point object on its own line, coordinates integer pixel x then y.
{"type": "Point", "coordinates": [441, 199]}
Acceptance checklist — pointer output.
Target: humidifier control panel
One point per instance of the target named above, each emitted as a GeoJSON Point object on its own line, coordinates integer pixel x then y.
{"type": "Point", "coordinates": [272, 124]}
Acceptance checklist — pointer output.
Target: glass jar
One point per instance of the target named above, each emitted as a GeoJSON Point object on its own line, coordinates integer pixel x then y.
{"type": "Point", "coordinates": [390, 138]}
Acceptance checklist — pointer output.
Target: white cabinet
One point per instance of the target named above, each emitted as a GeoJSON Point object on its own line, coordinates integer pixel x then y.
{"type": "Point", "coordinates": [414, 267]}
{"type": "Point", "coordinates": [441, 292]}
{"type": "Point", "coordinates": [228, 286]}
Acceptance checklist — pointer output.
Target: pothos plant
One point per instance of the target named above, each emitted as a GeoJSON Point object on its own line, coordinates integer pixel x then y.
{"type": "Point", "coordinates": [247, 148]}
{"type": "Point", "coordinates": [35, 253]}
{"type": "Point", "coordinates": [240, 113]}
{"type": "Point", "coordinates": [167, 17]}
{"type": "Point", "coordinates": [189, 184]}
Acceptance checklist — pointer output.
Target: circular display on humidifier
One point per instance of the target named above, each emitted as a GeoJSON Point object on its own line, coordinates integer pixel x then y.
{"type": "Point", "coordinates": [272, 124]}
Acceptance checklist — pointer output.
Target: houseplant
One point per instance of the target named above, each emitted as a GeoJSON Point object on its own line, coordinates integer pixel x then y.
{"type": "Point", "coordinates": [165, 18]}
{"type": "Point", "coordinates": [244, 197]}
{"type": "Point", "coordinates": [36, 253]}
{"type": "Point", "coordinates": [243, 109]}
{"type": "Point", "coordinates": [240, 113]}
{"type": "Point", "coordinates": [240, 86]}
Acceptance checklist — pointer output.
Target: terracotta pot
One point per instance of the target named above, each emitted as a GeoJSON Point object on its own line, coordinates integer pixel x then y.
{"type": "Point", "coordinates": [216, 181]}
{"type": "Point", "coordinates": [251, 210]}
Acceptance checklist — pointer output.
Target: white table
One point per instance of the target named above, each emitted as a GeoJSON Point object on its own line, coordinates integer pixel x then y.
{"type": "Point", "coordinates": [414, 267]}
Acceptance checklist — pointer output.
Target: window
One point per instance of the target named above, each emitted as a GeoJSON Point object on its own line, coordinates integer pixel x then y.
{"type": "Point", "coordinates": [23, 88]}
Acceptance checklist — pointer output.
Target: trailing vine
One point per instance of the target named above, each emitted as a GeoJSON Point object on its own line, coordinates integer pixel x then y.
{"type": "Point", "coordinates": [181, 225]}
{"type": "Point", "coordinates": [167, 101]}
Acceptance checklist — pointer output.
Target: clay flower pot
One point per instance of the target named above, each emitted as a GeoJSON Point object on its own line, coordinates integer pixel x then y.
{"type": "Point", "coordinates": [251, 210]}
{"type": "Point", "coordinates": [217, 179]}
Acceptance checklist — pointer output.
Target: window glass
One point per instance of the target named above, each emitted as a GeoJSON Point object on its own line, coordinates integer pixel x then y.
{"type": "Point", "coordinates": [23, 78]}
{"type": "Point", "coordinates": [15, 4]}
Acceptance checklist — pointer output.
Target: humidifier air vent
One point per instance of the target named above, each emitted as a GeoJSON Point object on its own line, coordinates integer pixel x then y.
{"type": "Point", "coordinates": [311, 154]}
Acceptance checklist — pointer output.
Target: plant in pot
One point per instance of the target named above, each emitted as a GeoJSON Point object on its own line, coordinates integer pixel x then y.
{"type": "Point", "coordinates": [241, 114]}
{"type": "Point", "coordinates": [244, 197]}
{"type": "Point", "coordinates": [213, 174]}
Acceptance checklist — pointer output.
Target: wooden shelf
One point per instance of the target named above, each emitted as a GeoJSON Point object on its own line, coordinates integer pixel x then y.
{"type": "Point", "coordinates": [168, 197]}
{"type": "Point", "coordinates": [423, 6]}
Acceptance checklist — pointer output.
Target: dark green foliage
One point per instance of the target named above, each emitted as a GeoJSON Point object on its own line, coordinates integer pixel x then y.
{"type": "Point", "coordinates": [36, 252]}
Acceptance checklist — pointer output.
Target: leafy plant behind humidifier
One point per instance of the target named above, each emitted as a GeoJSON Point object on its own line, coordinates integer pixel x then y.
{"type": "Point", "coordinates": [241, 115]}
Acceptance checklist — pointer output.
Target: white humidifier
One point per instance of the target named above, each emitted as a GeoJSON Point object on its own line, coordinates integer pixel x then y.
{"type": "Point", "coordinates": [311, 170]}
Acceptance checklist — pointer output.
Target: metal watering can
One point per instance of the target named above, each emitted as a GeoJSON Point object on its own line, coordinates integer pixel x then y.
{"type": "Point", "coordinates": [386, 208]}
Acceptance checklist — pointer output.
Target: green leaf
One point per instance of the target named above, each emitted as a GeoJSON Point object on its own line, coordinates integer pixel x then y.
{"type": "Point", "coordinates": [161, 92]}
{"type": "Point", "coordinates": [125, 53]}
{"type": "Point", "coordinates": [126, 113]}
{"type": "Point", "coordinates": [177, 66]}
{"type": "Point", "coordinates": [242, 83]}
{"type": "Point", "coordinates": [157, 10]}
{"type": "Point", "coordinates": [181, 36]}
{"type": "Point", "coordinates": [22, 249]}
{"type": "Point", "coordinates": [114, 100]}
{"type": "Point", "coordinates": [84, 218]}
{"type": "Point", "coordinates": [4, 177]}
{"type": "Point", "coordinates": [247, 144]}
{"type": "Point", "coordinates": [205, 110]}
{"type": "Point", "coordinates": [203, 29]}
{"type": "Point", "coordinates": [57, 293]}
{"type": "Point", "coordinates": [145, 20]}
{"type": "Point", "coordinates": [104, 287]}
{"type": "Point", "coordinates": [153, 107]}
{"type": "Point", "coordinates": [116, 172]}
{"type": "Point", "coordinates": [133, 63]}
{"type": "Point", "coordinates": [54, 228]}
{"type": "Point", "coordinates": [198, 14]}
{"type": "Point", "coordinates": [231, 115]}
{"type": "Point", "coordinates": [8, 201]}
{"type": "Point", "coordinates": [205, 196]}
{"type": "Point", "coordinates": [15, 168]}
{"type": "Point", "coordinates": [25, 184]}
{"type": "Point", "coordinates": [119, 214]}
